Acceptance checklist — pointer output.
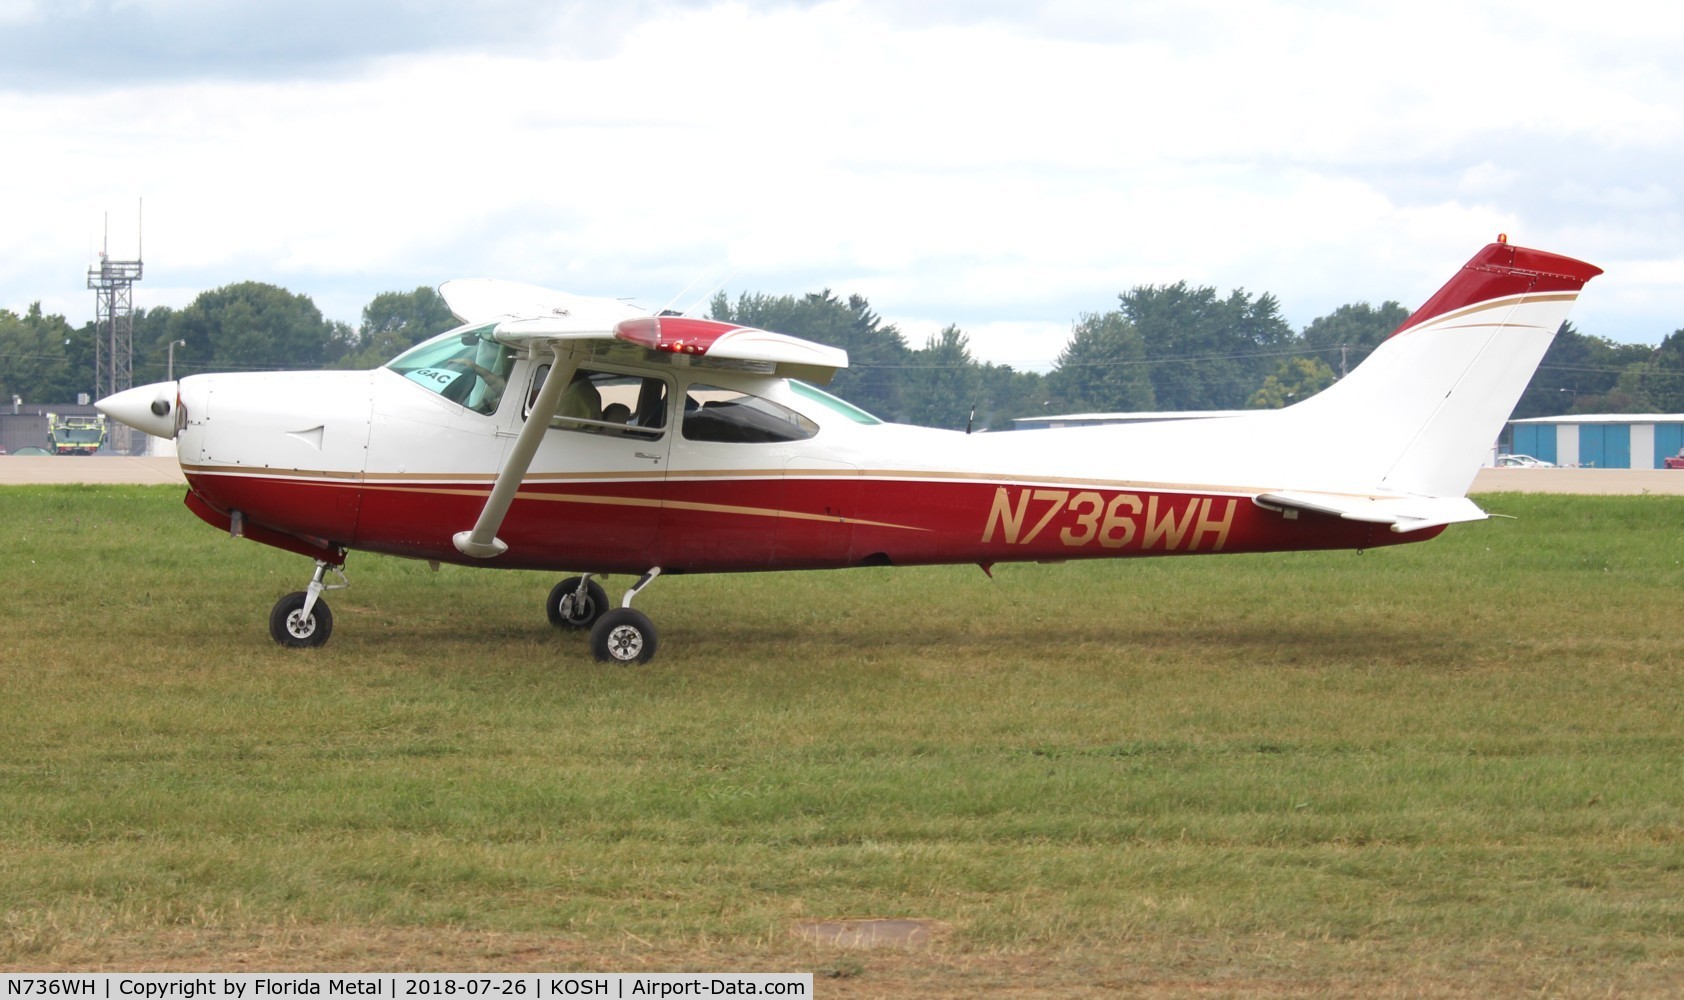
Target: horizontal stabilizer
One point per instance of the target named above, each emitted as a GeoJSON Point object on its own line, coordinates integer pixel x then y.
{"type": "Point", "coordinates": [1400, 513]}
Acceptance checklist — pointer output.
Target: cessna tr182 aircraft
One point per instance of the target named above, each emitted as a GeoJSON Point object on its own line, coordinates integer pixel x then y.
{"type": "Point", "coordinates": [554, 432]}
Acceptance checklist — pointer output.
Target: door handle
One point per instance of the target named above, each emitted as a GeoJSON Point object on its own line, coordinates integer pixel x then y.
{"type": "Point", "coordinates": [644, 454]}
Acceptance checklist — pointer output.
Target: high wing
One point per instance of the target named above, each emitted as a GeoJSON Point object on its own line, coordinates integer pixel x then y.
{"type": "Point", "coordinates": [713, 339]}
{"type": "Point", "coordinates": [484, 300]}
{"type": "Point", "coordinates": [527, 315]}
{"type": "Point", "coordinates": [535, 318]}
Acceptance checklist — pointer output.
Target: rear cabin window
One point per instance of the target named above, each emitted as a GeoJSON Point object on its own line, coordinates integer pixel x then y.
{"type": "Point", "coordinates": [727, 415]}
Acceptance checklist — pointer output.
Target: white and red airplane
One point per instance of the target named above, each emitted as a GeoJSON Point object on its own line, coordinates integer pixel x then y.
{"type": "Point", "coordinates": [555, 432]}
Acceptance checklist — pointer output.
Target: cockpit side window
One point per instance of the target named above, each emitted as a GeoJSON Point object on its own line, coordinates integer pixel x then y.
{"type": "Point", "coordinates": [727, 415]}
{"type": "Point", "coordinates": [600, 402]}
{"type": "Point", "coordinates": [464, 366]}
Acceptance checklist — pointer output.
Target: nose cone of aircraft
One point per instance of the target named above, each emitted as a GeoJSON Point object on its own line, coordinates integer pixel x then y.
{"type": "Point", "coordinates": [149, 408]}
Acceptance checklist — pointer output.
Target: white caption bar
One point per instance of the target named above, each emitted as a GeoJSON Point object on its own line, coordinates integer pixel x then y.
{"type": "Point", "coordinates": [403, 985]}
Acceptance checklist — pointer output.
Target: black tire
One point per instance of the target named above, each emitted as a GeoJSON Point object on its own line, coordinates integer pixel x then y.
{"type": "Point", "coordinates": [623, 635]}
{"type": "Point", "coordinates": [288, 629]}
{"type": "Point", "coordinates": [582, 616]}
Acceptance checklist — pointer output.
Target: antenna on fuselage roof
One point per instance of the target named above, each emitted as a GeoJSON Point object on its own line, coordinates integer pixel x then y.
{"type": "Point", "coordinates": [670, 311]}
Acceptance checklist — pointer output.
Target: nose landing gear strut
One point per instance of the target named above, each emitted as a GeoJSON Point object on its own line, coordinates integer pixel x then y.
{"type": "Point", "coordinates": [302, 619]}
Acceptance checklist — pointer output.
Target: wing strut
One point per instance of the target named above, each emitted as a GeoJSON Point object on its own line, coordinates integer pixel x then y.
{"type": "Point", "coordinates": [482, 542]}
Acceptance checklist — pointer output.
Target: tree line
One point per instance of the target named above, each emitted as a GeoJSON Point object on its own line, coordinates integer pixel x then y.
{"type": "Point", "coordinates": [1162, 347]}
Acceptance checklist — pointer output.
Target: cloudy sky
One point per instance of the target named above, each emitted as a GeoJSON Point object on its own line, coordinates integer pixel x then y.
{"type": "Point", "coordinates": [1002, 165]}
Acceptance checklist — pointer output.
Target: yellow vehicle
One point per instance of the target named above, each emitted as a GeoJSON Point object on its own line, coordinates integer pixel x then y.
{"type": "Point", "coordinates": [75, 435]}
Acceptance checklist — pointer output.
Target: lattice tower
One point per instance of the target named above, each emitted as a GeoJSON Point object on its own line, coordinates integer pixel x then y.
{"type": "Point", "coordinates": [113, 284]}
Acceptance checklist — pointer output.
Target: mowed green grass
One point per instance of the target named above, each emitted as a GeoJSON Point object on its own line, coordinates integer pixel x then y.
{"type": "Point", "coordinates": [1457, 763]}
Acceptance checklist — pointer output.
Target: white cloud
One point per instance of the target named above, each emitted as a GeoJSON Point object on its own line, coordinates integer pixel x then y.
{"type": "Point", "coordinates": [1004, 168]}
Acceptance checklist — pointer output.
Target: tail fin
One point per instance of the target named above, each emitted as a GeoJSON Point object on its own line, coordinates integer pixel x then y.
{"type": "Point", "coordinates": [1434, 396]}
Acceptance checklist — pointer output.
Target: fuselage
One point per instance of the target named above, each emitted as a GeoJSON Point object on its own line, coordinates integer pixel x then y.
{"type": "Point", "coordinates": [384, 461]}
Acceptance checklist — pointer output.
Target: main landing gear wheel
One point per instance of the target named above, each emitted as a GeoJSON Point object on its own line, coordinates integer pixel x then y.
{"type": "Point", "coordinates": [291, 627]}
{"type": "Point", "coordinates": [623, 635]}
{"type": "Point", "coordinates": [568, 608]}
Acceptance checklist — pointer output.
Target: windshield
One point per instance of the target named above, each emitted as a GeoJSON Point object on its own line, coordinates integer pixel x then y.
{"type": "Point", "coordinates": [464, 366]}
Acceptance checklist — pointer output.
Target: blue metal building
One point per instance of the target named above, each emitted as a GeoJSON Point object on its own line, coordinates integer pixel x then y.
{"type": "Point", "coordinates": [1600, 440]}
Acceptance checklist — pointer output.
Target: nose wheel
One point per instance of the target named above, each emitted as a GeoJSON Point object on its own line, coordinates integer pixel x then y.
{"type": "Point", "coordinates": [291, 625]}
{"type": "Point", "coordinates": [302, 620]}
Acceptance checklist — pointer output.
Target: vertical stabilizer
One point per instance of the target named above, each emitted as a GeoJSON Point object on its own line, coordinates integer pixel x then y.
{"type": "Point", "coordinates": [1433, 397]}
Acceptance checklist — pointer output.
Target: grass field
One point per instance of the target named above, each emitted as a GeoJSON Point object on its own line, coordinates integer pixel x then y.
{"type": "Point", "coordinates": [1449, 769]}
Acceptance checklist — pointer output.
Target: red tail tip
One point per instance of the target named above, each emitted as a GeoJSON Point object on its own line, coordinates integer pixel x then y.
{"type": "Point", "coordinates": [1499, 270]}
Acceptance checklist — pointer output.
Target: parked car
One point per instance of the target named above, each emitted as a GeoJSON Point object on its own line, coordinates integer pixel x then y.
{"type": "Point", "coordinates": [1522, 462]}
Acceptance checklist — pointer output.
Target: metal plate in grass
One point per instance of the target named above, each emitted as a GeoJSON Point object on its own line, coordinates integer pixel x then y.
{"type": "Point", "coordinates": [891, 932]}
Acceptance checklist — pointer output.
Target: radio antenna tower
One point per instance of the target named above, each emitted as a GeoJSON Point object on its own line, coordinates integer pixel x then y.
{"type": "Point", "coordinates": [112, 282]}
